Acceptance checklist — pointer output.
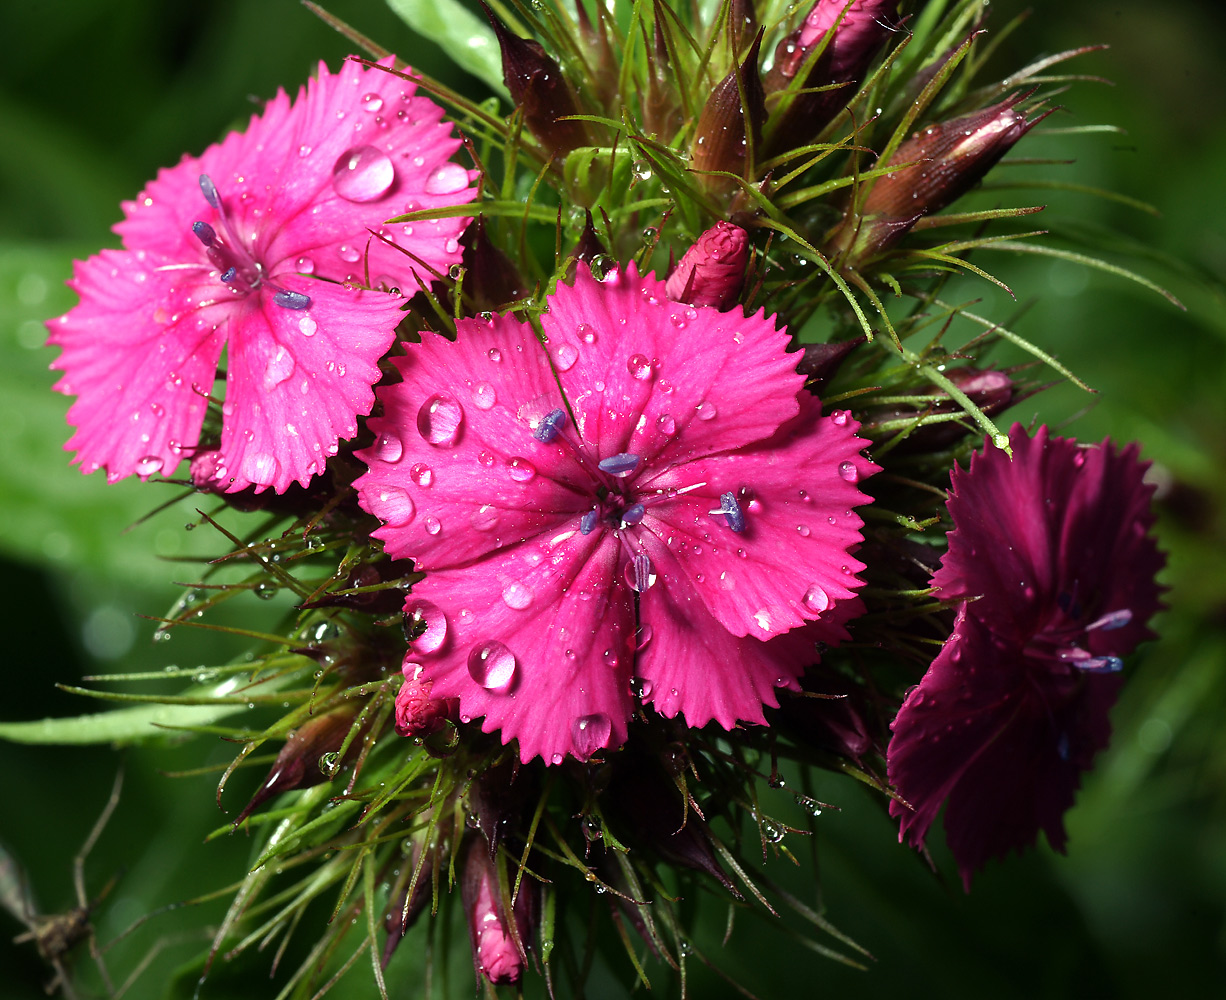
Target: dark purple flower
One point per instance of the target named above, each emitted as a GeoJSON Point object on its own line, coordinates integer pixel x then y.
{"type": "Point", "coordinates": [1052, 556]}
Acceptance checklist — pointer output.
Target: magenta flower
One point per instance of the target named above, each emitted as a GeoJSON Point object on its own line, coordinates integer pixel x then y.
{"type": "Point", "coordinates": [1052, 555]}
{"type": "Point", "coordinates": [255, 247]}
{"type": "Point", "coordinates": [649, 496]}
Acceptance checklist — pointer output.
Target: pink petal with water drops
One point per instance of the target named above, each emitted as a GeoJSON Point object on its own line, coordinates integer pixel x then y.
{"type": "Point", "coordinates": [667, 381]}
{"type": "Point", "coordinates": [538, 640]}
{"type": "Point", "coordinates": [689, 663]}
{"type": "Point", "coordinates": [796, 491]}
{"type": "Point", "coordinates": [297, 378]}
{"type": "Point", "coordinates": [140, 360]}
{"type": "Point", "coordinates": [456, 439]}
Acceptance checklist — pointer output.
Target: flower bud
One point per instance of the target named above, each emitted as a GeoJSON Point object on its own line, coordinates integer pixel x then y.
{"type": "Point", "coordinates": [417, 714]}
{"type": "Point", "coordinates": [860, 30]}
{"type": "Point", "coordinates": [297, 765]}
{"type": "Point", "coordinates": [821, 362]}
{"type": "Point", "coordinates": [490, 279]}
{"type": "Point", "coordinates": [712, 271]}
{"type": "Point", "coordinates": [497, 954]}
{"type": "Point", "coordinates": [991, 390]}
{"type": "Point", "coordinates": [832, 714]}
{"type": "Point", "coordinates": [725, 126]}
{"type": "Point", "coordinates": [539, 90]}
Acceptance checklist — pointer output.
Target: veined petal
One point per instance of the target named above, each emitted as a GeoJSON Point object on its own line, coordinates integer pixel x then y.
{"type": "Point", "coordinates": [538, 640]}
{"type": "Point", "coordinates": [140, 353]}
{"type": "Point", "coordinates": [297, 378]}
{"type": "Point", "coordinates": [796, 492]}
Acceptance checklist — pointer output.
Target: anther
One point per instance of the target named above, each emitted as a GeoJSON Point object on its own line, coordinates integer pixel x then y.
{"type": "Point", "coordinates": [732, 512]}
{"type": "Point", "coordinates": [290, 300]}
{"type": "Point", "coordinates": [619, 465]}
{"type": "Point", "coordinates": [550, 425]}
{"type": "Point", "coordinates": [642, 572]}
{"type": "Point", "coordinates": [1111, 620]}
{"type": "Point", "coordinates": [205, 233]}
{"type": "Point", "coordinates": [209, 190]}
{"type": "Point", "coordinates": [633, 514]}
{"type": "Point", "coordinates": [1100, 665]}
{"type": "Point", "coordinates": [587, 523]}
{"type": "Point", "coordinates": [229, 275]}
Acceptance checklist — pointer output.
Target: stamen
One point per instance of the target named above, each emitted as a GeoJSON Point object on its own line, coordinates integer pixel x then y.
{"type": "Point", "coordinates": [550, 425]}
{"type": "Point", "coordinates": [642, 572]}
{"type": "Point", "coordinates": [290, 300]}
{"type": "Point", "coordinates": [633, 514]}
{"type": "Point", "coordinates": [1112, 620]}
{"type": "Point", "coordinates": [209, 190]}
{"type": "Point", "coordinates": [229, 275]}
{"type": "Point", "coordinates": [1100, 665]}
{"type": "Point", "coordinates": [619, 465]}
{"type": "Point", "coordinates": [732, 512]}
{"type": "Point", "coordinates": [205, 233]}
{"type": "Point", "coordinates": [587, 523]}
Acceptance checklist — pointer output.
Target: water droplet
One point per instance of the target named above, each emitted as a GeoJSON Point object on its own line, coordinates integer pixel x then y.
{"type": "Point", "coordinates": [422, 474]}
{"type": "Point", "coordinates": [706, 411]}
{"type": "Point", "coordinates": [433, 525]}
{"type": "Point", "coordinates": [802, 530]}
{"type": "Point", "coordinates": [304, 265]}
{"type": "Point", "coordinates": [362, 174]}
{"type": "Point", "coordinates": [586, 332]}
{"type": "Point", "coordinates": [641, 687]}
{"type": "Point", "coordinates": [148, 465]}
{"type": "Point", "coordinates": [591, 732]}
{"type": "Point", "coordinates": [265, 591]}
{"type": "Point", "coordinates": [643, 636]}
{"type": "Point", "coordinates": [521, 470]}
{"type": "Point", "coordinates": [351, 255]}
{"type": "Point", "coordinates": [639, 367]}
{"type": "Point", "coordinates": [565, 357]}
{"type": "Point", "coordinates": [485, 458]}
{"type": "Point", "coordinates": [263, 469]}
{"type": "Point", "coordinates": [556, 758]}
{"type": "Point", "coordinates": [816, 599]}
{"type": "Point", "coordinates": [484, 396]}
{"type": "Point", "coordinates": [280, 367]}
{"type": "Point", "coordinates": [395, 506]}
{"type": "Point", "coordinates": [485, 518]}
{"type": "Point", "coordinates": [428, 623]}
{"type": "Point", "coordinates": [372, 103]}
{"type": "Point", "coordinates": [849, 472]}
{"type": "Point", "coordinates": [516, 596]}
{"type": "Point", "coordinates": [388, 447]}
{"type": "Point", "coordinates": [494, 354]}
{"type": "Point", "coordinates": [839, 417]}
{"type": "Point", "coordinates": [439, 420]}
{"type": "Point", "coordinates": [307, 326]}
{"type": "Point", "coordinates": [492, 666]}
{"type": "Point", "coordinates": [447, 179]}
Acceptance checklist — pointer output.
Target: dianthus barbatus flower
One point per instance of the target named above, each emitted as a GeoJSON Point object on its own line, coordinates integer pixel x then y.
{"type": "Point", "coordinates": [1052, 555]}
{"type": "Point", "coordinates": [227, 251]}
{"type": "Point", "coordinates": [661, 508]}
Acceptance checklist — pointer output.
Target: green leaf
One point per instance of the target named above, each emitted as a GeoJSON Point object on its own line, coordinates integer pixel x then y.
{"type": "Point", "coordinates": [463, 36]}
{"type": "Point", "coordinates": [127, 725]}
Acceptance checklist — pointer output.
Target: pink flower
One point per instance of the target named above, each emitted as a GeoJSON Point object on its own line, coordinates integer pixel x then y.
{"type": "Point", "coordinates": [1052, 555]}
{"type": "Point", "coordinates": [712, 271]}
{"type": "Point", "coordinates": [659, 510]}
{"type": "Point", "coordinates": [228, 250]}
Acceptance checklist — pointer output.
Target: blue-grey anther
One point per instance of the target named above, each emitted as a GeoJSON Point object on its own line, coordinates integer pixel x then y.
{"type": "Point", "coordinates": [619, 465]}
{"type": "Point", "coordinates": [587, 523]}
{"type": "Point", "coordinates": [1100, 665]}
{"type": "Point", "coordinates": [550, 424]}
{"type": "Point", "coordinates": [209, 190]}
{"type": "Point", "coordinates": [633, 514]}
{"type": "Point", "coordinates": [229, 275]}
{"type": "Point", "coordinates": [205, 233]}
{"type": "Point", "coordinates": [1111, 621]}
{"type": "Point", "coordinates": [732, 512]}
{"type": "Point", "coordinates": [291, 300]}
{"type": "Point", "coordinates": [642, 572]}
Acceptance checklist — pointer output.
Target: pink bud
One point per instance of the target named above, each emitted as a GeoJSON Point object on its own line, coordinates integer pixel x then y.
{"type": "Point", "coordinates": [417, 714]}
{"type": "Point", "coordinates": [712, 271]}
{"type": "Point", "coordinates": [496, 955]}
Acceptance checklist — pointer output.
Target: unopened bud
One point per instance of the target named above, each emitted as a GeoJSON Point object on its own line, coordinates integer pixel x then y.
{"type": "Point", "coordinates": [821, 362]}
{"type": "Point", "coordinates": [712, 271]}
{"type": "Point", "coordinates": [417, 714]}
{"type": "Point", "coordinates": [991, 390]}
{"type": "Point", "coordinates": [539, 90]}
{"type": "Point", "coordinates": [497, 954]}
{"type": "Point", "coordinates": [490, 279]}
{"type": "Point", "coordinates": [860, 30]}
{"type": "Point", "coordinates": [727, 125]}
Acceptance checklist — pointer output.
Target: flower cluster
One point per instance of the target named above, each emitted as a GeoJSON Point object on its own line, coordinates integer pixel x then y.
{"type": "Point", "coordinates": [597, 489]}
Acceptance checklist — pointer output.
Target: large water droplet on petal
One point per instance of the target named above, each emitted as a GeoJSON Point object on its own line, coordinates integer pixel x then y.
{"type": "Point", "coordinates": [521, 470]}
{"type": "Point", "coordinates": [492, 666]}
{"type": "Point", "coordinates": [372, 103]}
{"type": "Point", "coordinates": [421, 474]}
{"type": "Point", "coordinates": [362, 174]}
{"type": "Point", "coordinates": [433, 525]}
{"type": "Point", "coordinates": [263, 469]}
{"type": "Point", "coordinates": [439, 420]}
{"type": "Point", "coordinates": [280, 367]}
{"type": "Point", "coordinates": [771, 619]}
{"type": "Point", "coordinates": [484, 396]}
{"type": "Point", "coordinates": [565, 357]}
{"type": "Point", "coordinates": [849, 472]}
{"type": "Point", "coordinates": [394, 505]}
{"type": "Point", "coordinates": [666, 424]}
{"type": "Point", "coordinates": [447, 179]}
{"type": "Point", "coordinates": [591, 733]}
{"type": "Point", "coordinates": [485, 518]}
{"type": "Point", "coordinates": [516, 596]}
{"type": "Point", "coordinates": [816, 599]}
{"type": "Point", "coordinates": [148, 465]}
{"type": "Point", "coordinates": [307, 326]}
{"type": "Point", "coordinates": [388, 447]}
{"type": "Point", "coordinates": [706, 411]}
{"type": "Point", "coordinates": [639, 367]}
{"type": "Point", "coordinates": [428, 623]}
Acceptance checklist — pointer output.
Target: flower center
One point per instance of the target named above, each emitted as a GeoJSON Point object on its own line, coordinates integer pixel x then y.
{"type": "Point", "coordinates": [1066, 637]}
{"type": "Point", "coordinates": [236, 267]}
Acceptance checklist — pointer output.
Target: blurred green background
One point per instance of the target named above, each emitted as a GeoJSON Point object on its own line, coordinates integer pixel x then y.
{"type": "Point", "coordinates": [95, 97]}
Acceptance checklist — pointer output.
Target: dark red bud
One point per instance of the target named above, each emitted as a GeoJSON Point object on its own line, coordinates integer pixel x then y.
{"type": "Point", "coordinates": [991, 390]}
{"type": "Point", "coordinates": [490, 279]}
{"type": "Point", "coordinates": [837, 720]}
{"type": "Point", "coordinates": [725, 127]}
{"type": "Point", "coordinates": [712, 271]}
{"type": "Point", "coordinates": [820, 362]}
{"type": "Point", "coordinates": [297, 765]}
{"type": "Point", "coordinates": [590, 246]}
{"type": "Point", "coordinates": [539, 89]}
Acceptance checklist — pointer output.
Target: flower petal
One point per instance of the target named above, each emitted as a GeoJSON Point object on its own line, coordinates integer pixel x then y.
{"type": "Point", "coordinates": [141, 355]}
{"type": "Point", "coordinates": [790, 563]}
{"type": "Point", "coordinates": [1002, 737]}
{"type": "Point", "coordinates": [297, 379]}
{"type": "Point", "coordinates": [554, 608]}
{"type": "Point", "coordinates": [666, 381]}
